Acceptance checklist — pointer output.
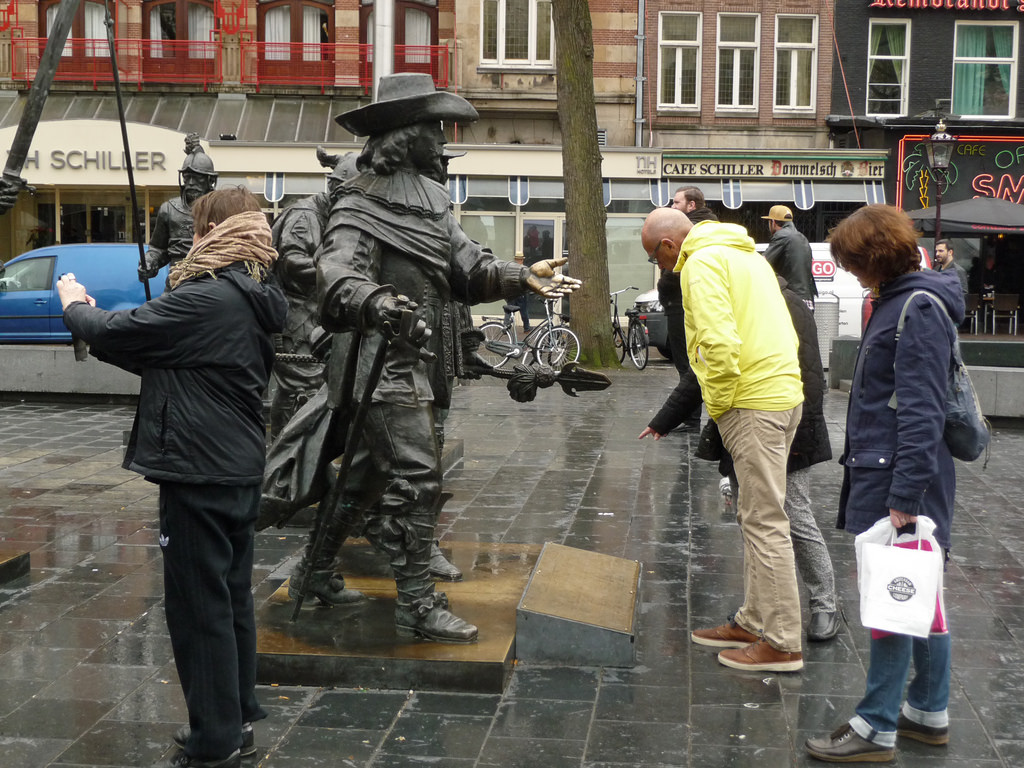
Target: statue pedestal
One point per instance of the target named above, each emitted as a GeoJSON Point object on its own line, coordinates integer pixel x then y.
{"type": "Point", "coordinates": [13, 566]}
{"type": "Point", "coordinates": [357, 646]}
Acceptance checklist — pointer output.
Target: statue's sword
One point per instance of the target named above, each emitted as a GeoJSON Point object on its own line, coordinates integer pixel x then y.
{"type": "Point", "coordinates": [18, 152]}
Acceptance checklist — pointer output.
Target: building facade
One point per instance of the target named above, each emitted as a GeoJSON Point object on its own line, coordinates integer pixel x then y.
{"type": "Point", "coordinates": [732, 98]}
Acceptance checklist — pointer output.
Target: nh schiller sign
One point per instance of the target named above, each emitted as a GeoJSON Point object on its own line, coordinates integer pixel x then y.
{"type": "Point", "coordinates": [951, 5]}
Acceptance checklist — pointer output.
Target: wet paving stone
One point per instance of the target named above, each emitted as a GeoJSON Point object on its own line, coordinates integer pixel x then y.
{"type": "Point", "coordinates": [86, 673]}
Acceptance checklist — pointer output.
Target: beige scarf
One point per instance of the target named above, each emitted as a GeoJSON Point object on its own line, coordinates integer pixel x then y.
{"type": "Point", "coordinates": [244, 237]}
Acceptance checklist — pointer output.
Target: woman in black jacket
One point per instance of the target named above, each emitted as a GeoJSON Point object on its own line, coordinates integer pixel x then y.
{"type": "Point", "coordinates": [204, 352]}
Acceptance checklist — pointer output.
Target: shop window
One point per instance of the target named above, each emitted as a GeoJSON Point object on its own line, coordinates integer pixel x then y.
{"type": "Point", "coordinates": [679, 50]}
{"type": "Point", "coordinates": [985, 69]}
{"type": "Point", "coordinates": [737, 61]}
{"type": "Point", "coordinates": [888, 64]}
{"type": "Point", "coordinates": [796, 40]}
{"type": "Point", "coordinates": [517, 33]}
{"type": "Point", "coordinates": [296, 31]}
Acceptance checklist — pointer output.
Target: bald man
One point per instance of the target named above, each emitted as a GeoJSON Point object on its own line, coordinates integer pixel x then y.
{"type": "Point", "coordinates": [743, 349]}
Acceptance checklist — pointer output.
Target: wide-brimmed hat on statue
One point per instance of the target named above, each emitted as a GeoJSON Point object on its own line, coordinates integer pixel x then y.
{"type": "Point", "coordinates": [404, 99]}
{"type": "Point", "coordinates": [779, 213]}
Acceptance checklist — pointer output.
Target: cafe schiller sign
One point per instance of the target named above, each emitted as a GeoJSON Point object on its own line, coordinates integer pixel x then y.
{"type": "Point", "coordinates": [982, 166]}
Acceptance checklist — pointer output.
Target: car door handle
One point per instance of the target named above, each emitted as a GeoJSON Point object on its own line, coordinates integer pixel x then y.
{"type": "Point", "coordinates": [42, 302]}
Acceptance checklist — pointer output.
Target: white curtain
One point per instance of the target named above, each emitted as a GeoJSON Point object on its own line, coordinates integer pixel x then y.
{"type": "Point", "coordinates": [311, 21]}
{"type": "Point", "coordinates": [200, 28]}
{"type": "Point", "coordinates": [156, 33]}
{"type": "Point", "coordinates": [417, 32]}
{"type": "Point", "coordinates": [95, 31]}
{"type": "Point", "coordinates": [51, 19]}
{"type": "Point", "coordinates": [276, 30]}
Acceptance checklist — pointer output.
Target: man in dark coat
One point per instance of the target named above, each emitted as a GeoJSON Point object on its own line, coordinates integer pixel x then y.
{"type": "Point", "coordinates": [683, 403]}
{"type": "Point", "coordinates": [204, 352]}
{"type": "Point", "coordinates": [789, 253]}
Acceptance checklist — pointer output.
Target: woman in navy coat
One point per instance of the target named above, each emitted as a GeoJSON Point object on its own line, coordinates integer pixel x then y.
{"type": "Point", "coordinates": [897, 465]}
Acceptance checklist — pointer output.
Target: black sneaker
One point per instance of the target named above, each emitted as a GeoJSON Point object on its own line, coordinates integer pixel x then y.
{"type": "Point", "coordinates": [181, 760]}
{"type": "Point", "coordinates": [248, 739]}
{"type": "Point", "coordinates": [924, 733]}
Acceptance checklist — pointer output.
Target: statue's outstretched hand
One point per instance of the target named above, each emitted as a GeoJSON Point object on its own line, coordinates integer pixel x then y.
{"type": "Point", "coordinates": [543, 279]}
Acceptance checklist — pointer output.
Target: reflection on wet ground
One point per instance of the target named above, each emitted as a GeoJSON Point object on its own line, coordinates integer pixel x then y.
{"type": "Point", "coordinates": [86, 673]}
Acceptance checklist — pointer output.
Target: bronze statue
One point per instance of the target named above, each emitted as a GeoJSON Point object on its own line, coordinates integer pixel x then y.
{"type": "Point", "coordinates": [298, 232]}
{"type": "Point", "coordinates": [392, 260]}
{"type": "Point", "coordinates": [171, 238]}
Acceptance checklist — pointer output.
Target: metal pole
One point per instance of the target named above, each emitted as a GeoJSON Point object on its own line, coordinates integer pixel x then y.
{"type": "Point", "coordinates": [139, 235]}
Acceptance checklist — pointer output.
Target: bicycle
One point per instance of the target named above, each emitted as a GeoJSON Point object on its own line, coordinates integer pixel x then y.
{"type": "Point", "coordinates": [550, 343]}
{"type": "Point", "coordinates": [635, 339]}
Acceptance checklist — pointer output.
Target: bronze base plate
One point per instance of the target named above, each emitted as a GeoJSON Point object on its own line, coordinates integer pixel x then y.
{"type": "Point", "coordinates": [13, 565]}
{"type": "Point", "coordinates": [357, 645]}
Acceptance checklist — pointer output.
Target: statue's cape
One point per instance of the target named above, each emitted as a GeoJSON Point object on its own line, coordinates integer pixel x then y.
{"type": "Point", "coordinates": [409, 212]}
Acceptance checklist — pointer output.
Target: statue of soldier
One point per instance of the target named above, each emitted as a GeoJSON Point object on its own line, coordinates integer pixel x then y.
{"type": "Point", "coordinates": [297, 235]}
{"type": "Point", "coordinates": [171, 237]}
{"type": "Point", "coordinates": [392, 246]}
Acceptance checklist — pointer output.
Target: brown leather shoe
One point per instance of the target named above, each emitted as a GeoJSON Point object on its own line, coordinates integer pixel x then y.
{"type": "Point", "coordinates": [729, 635]}
{"type": "Point", "coordinates": [761, 657]}
{"type": "Point", "coordinates": [843, 745]}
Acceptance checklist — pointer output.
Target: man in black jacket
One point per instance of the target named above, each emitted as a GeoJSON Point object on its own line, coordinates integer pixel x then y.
{"type": "Point", "coordinates": [789, 253]}
{"type": "Point", "coordinates": [204, 352]}
{"type": "Point", "coordinates": [683, 403]}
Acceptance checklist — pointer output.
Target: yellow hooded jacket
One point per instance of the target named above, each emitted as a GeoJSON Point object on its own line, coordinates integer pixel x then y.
{"type": "Point", "coordinates": [739, 335]}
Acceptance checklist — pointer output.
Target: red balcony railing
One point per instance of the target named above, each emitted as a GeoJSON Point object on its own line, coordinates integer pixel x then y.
{"type": "Point", "coordinates": [325, 65]}
{"type": "Point", "coordinates": [201, 63]}
{"type": "Point", "coordinates": [139, 61]}
{"type": "Point", "coordinates": [432, 59]}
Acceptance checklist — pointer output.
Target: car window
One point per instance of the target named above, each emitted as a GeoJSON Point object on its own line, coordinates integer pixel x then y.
{"type": "Point", "coordinates": [27, 275]}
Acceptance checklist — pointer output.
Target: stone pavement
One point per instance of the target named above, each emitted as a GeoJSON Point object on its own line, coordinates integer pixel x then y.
{"type": "Point", "coordinates": [86, 677]}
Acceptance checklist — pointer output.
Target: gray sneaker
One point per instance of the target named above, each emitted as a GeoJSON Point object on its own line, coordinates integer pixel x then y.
{"type": "Point", "coordinates": [247, 749]}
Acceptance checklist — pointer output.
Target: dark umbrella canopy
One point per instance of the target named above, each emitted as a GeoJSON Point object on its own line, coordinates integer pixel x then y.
{"type": "Point", "coordinates": [979, 215]}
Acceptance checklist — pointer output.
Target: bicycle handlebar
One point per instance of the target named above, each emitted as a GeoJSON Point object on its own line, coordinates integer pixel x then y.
{"type": "Point", "coordinates": [630, 288]}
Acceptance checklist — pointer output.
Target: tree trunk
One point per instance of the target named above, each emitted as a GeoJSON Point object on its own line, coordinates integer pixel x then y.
{"type": "Point", "coordinates": [585, 214]}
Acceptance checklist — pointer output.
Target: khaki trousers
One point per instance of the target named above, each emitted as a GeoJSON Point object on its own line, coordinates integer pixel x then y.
{"type": "Point", "coordinates": [759, 442]}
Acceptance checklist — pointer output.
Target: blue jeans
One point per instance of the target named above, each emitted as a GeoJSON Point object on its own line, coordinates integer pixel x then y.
{"type": "Point", "coordinates": [927, 697]}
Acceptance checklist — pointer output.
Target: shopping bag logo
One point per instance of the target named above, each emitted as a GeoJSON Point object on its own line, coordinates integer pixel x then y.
{"type": "Point", "coordinates": [901, 589]}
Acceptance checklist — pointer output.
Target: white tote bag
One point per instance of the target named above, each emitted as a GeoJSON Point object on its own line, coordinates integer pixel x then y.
{"type": "Point", "coordinates": [899, 585]}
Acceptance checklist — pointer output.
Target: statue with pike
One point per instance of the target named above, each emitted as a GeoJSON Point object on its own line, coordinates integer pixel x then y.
{"type": "Point", "coordinates": [391, 268]}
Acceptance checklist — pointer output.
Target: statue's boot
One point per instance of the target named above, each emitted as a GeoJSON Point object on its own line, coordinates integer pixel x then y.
{"type": "Point", "coordinates": [419, 610]}
{"type": "Point", "coordinates": [326, 585]}
{"type": "Point", "coordinates": [440, 566]}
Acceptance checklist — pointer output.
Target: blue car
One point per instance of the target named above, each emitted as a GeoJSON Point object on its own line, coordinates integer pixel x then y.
{"type": "Point", "coordinates": [30, 310]}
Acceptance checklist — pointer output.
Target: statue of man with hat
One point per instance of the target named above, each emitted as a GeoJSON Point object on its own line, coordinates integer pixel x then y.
{"type": "Point", "coordinates": [789, 253]}
{"type": "Point", "coordinates": [392, 246]}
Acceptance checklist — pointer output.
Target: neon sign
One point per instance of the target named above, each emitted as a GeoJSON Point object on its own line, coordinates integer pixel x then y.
{"type": "Point", "coordinates": [951, 5]}
{"type": "Point", "coordinates": [982, 166]}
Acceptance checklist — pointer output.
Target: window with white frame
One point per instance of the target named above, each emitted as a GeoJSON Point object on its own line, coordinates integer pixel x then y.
{"type": "Point", "coordinates": [796, 42]}
{"type": "Point", "coordinates": [985, 68]}
{"type": "Point", "coordinates": [517, 33]}
{"type": "Point", "coordinates": [888, 64]}
{"type": "Point", "coordinates": [736, 86]}
{"type": "Point", "coordinates": [679, 36]}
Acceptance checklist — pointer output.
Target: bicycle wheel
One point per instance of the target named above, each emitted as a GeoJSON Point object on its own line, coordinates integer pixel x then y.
{"type": "Point", "coordinates": [557, 348]}
{"type": "Point", "coordinates": [639, 350]}
{"type": "Point", "coordinates": [620, 342]}
{"type": "Point", "coordinates": [497, 344]}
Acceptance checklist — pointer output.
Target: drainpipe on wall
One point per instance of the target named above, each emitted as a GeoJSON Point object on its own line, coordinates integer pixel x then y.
{"type": "Point", "coordinates": [641, 25]}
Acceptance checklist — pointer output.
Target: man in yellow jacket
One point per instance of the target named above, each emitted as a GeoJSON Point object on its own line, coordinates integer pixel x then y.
{"type": "Point", "coordinates": [743, 349]}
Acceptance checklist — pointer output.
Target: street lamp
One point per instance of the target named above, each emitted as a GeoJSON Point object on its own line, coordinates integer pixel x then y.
{"type": "Point", "coordinates": [939, 148]}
